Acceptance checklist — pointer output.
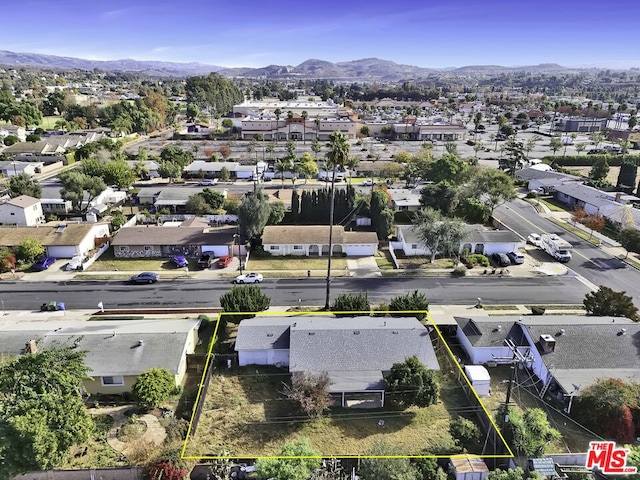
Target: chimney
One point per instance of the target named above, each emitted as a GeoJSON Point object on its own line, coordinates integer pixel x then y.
{"type": "Point", "coordinates": [31, 347]}
{"type": "Point", "coordinates": [618, 196]}
{"type": "Point", "coordinates": [547, 343]}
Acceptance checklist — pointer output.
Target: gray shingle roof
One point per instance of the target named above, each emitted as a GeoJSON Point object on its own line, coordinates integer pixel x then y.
{"type": "Point", "coordinates": [321, 344]}
{"type": "Point", "coordinates": [112, 346]}
{"type": "Point", "coordinates": [490, 334]}
{"type": "Point", "coordinates": [264, 333]}
{"type": "Point", "coordinates": [584, 193]}
{"type": "Point", "coordinates": [535, 174]}
{"type": "Point", "coordinates": [155, 235]}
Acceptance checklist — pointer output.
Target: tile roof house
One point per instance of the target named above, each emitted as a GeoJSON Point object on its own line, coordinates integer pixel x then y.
{"type": "Point", "coordinates": [354, 352]}
{"type": "Point", "coordinates": [181, 238]}
{"type": "Point", "coordinates": [478, 240]}
{"type": "Point", "coordinates": [60, 240]}
{"type": "Point", "coordinates": [27, 149]}
{"type": "Point", "coordinates": [567, 353]}
{"type": "Point", "coordinates": [23, 210]}
{"type": "Point", "coordinates": [313, 240]}
{"type": "Point", "coordinates": [117, 350]}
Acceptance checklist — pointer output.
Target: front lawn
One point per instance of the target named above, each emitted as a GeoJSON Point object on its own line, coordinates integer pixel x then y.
{"type": "Point", "coordinates": [419, 262]}
{"type": "Point", "coordinates": [295, 263]}
{"type": "Point", "coordinates": [246, 414]}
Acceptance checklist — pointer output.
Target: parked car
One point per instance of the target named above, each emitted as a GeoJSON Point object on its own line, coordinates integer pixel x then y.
{"type": "Point", "coordinates": [534, 239]}
{"type": "Point", "coordinates": [145, 277]}
{"type": "Point", "coordinates": [248, 278]}
{"type": "Point", "coordinates": [205, 260]}
{"type": "Point", "coordinates": [74, 264]}
{"type": "Point", "coordinates": [208, 182]}
{"type": "Point", "coordinates": [224, 261]}
{"type": "Point", "coordinates": [43, 263]}
{"type": "Point", "coordinates": [516, 258]}
{"type": "Point", "coordinates": [179, 260]}
{"type": "Point", "coordinates": [501, 259]}
{"type": "Point", "coordinates": [368, 183]}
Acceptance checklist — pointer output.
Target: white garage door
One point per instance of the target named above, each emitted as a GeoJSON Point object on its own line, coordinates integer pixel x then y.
{"type": "Point", "coordinates": [62, 252]}
{"type": "Point", "coordinates": [360, 250]}
{"type": "Point", "coordinates": [218, 250]}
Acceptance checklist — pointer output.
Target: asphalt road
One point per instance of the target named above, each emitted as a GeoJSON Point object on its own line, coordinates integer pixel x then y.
{"type": "Point", "coordinates": [592, 263]}
{"type": "Point", "coordinates": [292, 291]}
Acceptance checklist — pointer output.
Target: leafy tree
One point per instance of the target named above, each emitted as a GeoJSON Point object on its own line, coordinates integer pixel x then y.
{"type": "Point", "coordinates": [599, 171]}
{"type": "Point", "coordinates": [351, 302]}
{"type": "Point", "coordinates": [245, 298]}
{"type": "Point", "coordinates": [607, 302]}
{"type": "Point", "coordinates": [594, 222]}
{"type": "Point", "coordinates": [529, 433]}
{"type": "Point", "coordinates": [166, 470]}
{"type": "Point", "coordinates": [231, 205]}
{"type": "Point", "coordinates": [154, 387]}
{"type": "Point", "coordinates": [29, 250]}
{"type": "Point", "coordinates": [173, 153]}
{"type": "Point", "coordinates": [555, 144]}
{"type": "Point", "coordinates": [24, 184]}
{"type": "Point", "coordinates": [442, 196]}
{"type": "Point", "coordinates": [214, 94]}
{"type": "Point", "coordinates": [364, 131]}
{"type": "Point", "coordinates": [381, 215]}
{"type": "Point", "coordinates": [510, 474]}
{"type": "Point", "coordinates": [629, 238]}
{"type": "Point", "coordinates": [117, 219]}
{"type": "Point", "coordinates": [225, 174]}
{"type": "Point", "coordinates": [10, 140]}
{"type": "Point", "coordinates": [41, 410]}
{"type": "Point", "coordinates": [448, 168]}
{"type": "Point", "coordinates": [316, 148]}
{"type": "Point", "coordinates": [118, 173]}
{"type": "Point", "coordinates": [492, 187]}
{"type": "Point", "coordinates": [197, 205]}
{"type": "Point", "coordinates": [415, 301]}
{"type": "Point", "coordinates": [438, 233]}
{"type": "Point", "coordinates": [386, 468]}
{"type": "Point", "coordinates": [428, 469]}
{"type": "Point", "coordinates": [80, 189]}
{"type": "Point", "coordinates": [253, 214]}
{"type": "Point", "coordinates": [606, 408]}
{"type": "Point", "coordinates": [466, 433]}
{"type": "Point", "coordinates": [391, 171]}
{"type": "Point", "coordinates": [32, 137]}
{"type": "Point", "coordinates": [192, 111]}
{"type": "Point", "coordinates": [7, 260]}
{"type": "Point", "coordinates": [412, 383]}
{"type": "Point", "coordinates": [276, 213]}
{"type": "Point", "coordinates": [311, 391]}
{"type": "Point", "coordinates": [170, 170]}
{"type": "Point", "coordinates": [516, 157]}
{"type": "Point", "coordinates": [402, 157]}
{"type": "Point", "coordinates": [303, 460]}
{"type": "Point", "coordinates": [308, 166]}
{"type": "Point", "coordinates": [213, 198]}
{"type": "Point", "coordinates": [627, 176]}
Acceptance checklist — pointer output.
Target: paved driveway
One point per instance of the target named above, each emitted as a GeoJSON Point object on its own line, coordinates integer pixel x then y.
{"type": "Point", "coordinates": [363, 267]}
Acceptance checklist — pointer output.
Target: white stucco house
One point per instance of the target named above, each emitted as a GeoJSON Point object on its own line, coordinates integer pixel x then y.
{"type": "Point", "coordinates": [23, 210]}
{"type": "Point", "coordinates": [313, 240]}
{"type": "Point", "coordinates": [15, 167]}
{"type": "Point", "coordinates": [478, 240]}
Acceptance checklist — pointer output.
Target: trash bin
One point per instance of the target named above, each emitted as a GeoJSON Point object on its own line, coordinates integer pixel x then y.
{"type": "Point", "coordinates": [60, 305]}
{"type": "Point", "coordinates": [308, 273]}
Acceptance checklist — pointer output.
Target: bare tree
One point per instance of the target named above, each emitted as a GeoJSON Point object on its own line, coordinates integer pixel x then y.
{"type": "Point", "coordinates": [310, 391]}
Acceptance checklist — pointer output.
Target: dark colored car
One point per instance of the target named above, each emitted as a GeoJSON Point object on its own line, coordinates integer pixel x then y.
{"type": "Point", "coordinates": [205, 260]}
{"type": "Point", "coordinates": [179, 260]}
{"type": "Point", "coordinates": [145, 277]}
{"type": "Point", "coordinates": [43, 263]}
{"type": "Point", "coordinates": [501, 259]}
{"type": "Point", "coordinates": [224, 261]}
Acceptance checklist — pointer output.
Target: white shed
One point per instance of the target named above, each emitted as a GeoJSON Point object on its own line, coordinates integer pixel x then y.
{"type": "Point", "coordinates": [479, 378]}
{"type": "Point", "coordinates": [468, 468]}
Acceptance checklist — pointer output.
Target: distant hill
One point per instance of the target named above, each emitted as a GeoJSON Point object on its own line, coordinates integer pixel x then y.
{"type": "Point", "coordinates": [167, 69]}
{"type": "Point", "coordinates": [356, 70]}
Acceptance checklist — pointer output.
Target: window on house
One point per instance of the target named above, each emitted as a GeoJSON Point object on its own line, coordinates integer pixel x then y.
{"type": "Point", "coordinates": [124, 249]}
{"type": "Point", "coordinates": [297, 247]}
{"type": "Point", "coordinates": [274, 247]}
{"type": "Point", "coordinates": [148, 248]}
{"type": "Point", "coordinates": [115, 381]}
{"type": "Point", "coordinates": [414, 246]}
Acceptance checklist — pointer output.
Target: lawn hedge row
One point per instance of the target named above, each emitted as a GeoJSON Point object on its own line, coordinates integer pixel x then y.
{"type": "Point", "coordinates": [588, 160]}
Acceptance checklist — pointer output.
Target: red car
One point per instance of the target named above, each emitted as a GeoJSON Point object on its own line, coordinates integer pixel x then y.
{"type": "Point", "coordinates": [224, 261]}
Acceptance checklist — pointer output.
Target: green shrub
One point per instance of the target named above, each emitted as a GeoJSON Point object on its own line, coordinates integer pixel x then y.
{"type": "Point", "coordinates": [154, 387]}
{"type": "Point", "coordinates": [459, 271]}
{"type": "Point", "coordinates": [532, 194]}
{"type": "Point", "coordinates": [350, 302]}
{"type": "Point", "coordinates": [476, 259]}
{"type": "Point", "coordinates": [537, 310]}
{"type": "Point", "coordinates": [241, 299]}
{"type": "Point", "coordinates": [409, 302]}
{"type": "Point", "coordinates": [466, 433]}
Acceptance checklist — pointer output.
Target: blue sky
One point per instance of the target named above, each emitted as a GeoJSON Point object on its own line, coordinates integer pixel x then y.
{"type": "Point", "coordinates": [250, 33]}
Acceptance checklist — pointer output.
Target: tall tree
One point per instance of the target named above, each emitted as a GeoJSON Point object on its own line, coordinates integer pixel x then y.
{"type": "Point", "coordinates": [80, 189]}
{"type": "Point", "coordinates": [491, 187]}
{"type": "Point", "coordinates": [253, 214]}
{"type": "Point", "coordinates": [599, 171]}
{"type": "Point", "coordinates": [277, 112]}
{"type": "Point", "coordinates": [304, 116]}
{"type": "Point", "coordinates": [24, 184]}
{"type": "Point", "coordinates": [214, 94]}
{"type": "Point", "coordinates": [607, 302]}
{"type": "Point", "coordinates": [438, 233]}
{"type": "Point", "coordinates": [337, 156]}
{"type": "Point", "coordinates": [41, 410]}
{"type": "Point", "coordinates": [627, 176]}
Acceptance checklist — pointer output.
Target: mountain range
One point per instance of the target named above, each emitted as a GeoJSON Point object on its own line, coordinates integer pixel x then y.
{"type": "Point", "coordinates": [363, 70]}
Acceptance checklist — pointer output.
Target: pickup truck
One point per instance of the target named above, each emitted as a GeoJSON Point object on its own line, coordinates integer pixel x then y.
{"type": "Point", "coordinates": [205, 260]}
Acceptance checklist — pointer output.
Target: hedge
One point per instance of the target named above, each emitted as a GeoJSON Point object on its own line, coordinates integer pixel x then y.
{"type": "Point", "coordinates": [589, 160]}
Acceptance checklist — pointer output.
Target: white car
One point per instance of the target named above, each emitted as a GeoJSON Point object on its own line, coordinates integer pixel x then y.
{"type": "Point", "coordinates": [367, 183]}
{"type": "Point", "coordinates": [208, 183]}
{"type": "Point", "coordinates": [248, 278]}
{"type": "Point", "coordinates": [534, 239]}
{"type": "Point", "coordinates": [74, 264]}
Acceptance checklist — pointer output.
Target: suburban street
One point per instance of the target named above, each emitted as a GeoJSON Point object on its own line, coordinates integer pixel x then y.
{"type": "Point", "coordinates": [290, 291]}
{"type": "Point", "coordinates": [590, 262]}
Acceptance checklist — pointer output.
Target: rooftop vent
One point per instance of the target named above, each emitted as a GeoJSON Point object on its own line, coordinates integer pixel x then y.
{"type": "Point", "coordinates": [356, 332]}
{"type": "Point", "coordinates": [269, 334]}
{"type": "Point", "coordinates": [61, 228]}
{"type": "Point", "coordinates": [499, 328]}
{"type": "Point", "coordinates": [623, 331]}
{"type": "Point", "coordinates": [140, 343]}
{"type": "Point", "coordinates": [547, 343]}
{"type": "Point", "coordinates": [562, 331]}
{"type": "Point", "coordinates": [312, 333]}
{"type": "Point", "coordinates": [395, 332]}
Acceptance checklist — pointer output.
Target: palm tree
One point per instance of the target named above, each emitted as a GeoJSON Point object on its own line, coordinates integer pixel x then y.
{"type": "Point", "coordinates": [277, 113]}
{"type": "Point", "coordinates": [289, 118]}
{"type": "Point", "coordinates": [304, 116]}
{"type": "Point", "coordinates": [338, 155]}
{"type": "Point", "coordinates": [283, 165]}
{"type": "Point", "coordinates": [317, 122]}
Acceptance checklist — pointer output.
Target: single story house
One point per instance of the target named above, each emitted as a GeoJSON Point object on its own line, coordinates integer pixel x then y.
{"type": "Point", "coordinates": [204, 169]}
{"type": "Point", "coordinates": [117, 350]}
{"type": "Point", "coordinates": [22, 210]}
{"type": "Point", "coordinates": [546, 180]}
{"type": "Point", "coordinates": [307, 240]}
{"type": "Point", "coordinates": [566, 353]}
{"type": "Point", "coordinates": [52, 202]}
{"type": "Point", "coordinates": [590, 199]}
{"type": "Point", "coordinates": [354, 352]}
{"type": "Point", "coordinates": [478, 240]}
{"type": "Point", "coordinates": [60, 240]}
{"type": "Point", "coordinates": [173, 238]}
{"type": "Point", "coordinates": [30, 149]}
{"type": "Point", "coordinates": [16, 167]}
{"type": "Point", "coordinates": [402, 199]}
{"type": "Point", "coordinates": [15, 130]}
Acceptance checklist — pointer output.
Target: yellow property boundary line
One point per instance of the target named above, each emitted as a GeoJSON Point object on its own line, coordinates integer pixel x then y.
{"type": "Point", "coordinates": [323, 313]}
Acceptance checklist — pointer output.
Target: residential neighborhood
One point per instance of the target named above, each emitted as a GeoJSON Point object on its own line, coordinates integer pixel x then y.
{"type": "Point", "coordinates": [354, 270]}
